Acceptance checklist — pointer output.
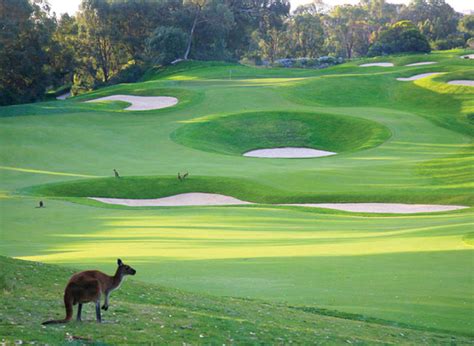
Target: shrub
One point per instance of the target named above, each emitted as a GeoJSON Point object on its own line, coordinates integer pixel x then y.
{"type": "Point", "coordinates": [321, 62]}
{"type": "Point", "coordinates": [452, 41]}
{"type": "Point", "coordinates": [130, 73]}
{"type": "Point", "coordinates": [166, 44]}
{"type": "Point", "coordinates": [398, 38]}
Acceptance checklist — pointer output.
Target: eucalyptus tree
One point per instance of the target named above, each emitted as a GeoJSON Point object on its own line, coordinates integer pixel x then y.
{"type": "Point", "coordinates": [348, 30]}
{"type": "Point", "coordinates": [25, 39]}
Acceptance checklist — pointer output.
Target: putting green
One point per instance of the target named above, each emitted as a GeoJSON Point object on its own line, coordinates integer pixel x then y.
{"type": "Point", "coordinates": [413, 269]}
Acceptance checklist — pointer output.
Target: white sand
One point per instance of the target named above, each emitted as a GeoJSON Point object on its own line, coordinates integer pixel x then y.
{"type": "Point", "coordinates": [212, 199]}
{"type": "Point", "coordinates": [380, 64]}
{"type": "Point", "coordinates": [64, 96]}
{"type": "Point", "coordinates": [462, 82]}
{"type": "Point", "coordinates": [468, 56]}
{"type": "Point", "coordinates": [288, 153]}
{"type": "Point", "coordinates": [184, 199]}
{"type": "Point", "coordinates": [422, 63]}
{"type": "Point", "coordinates": [418, 76]}
{"type": "Point", "coordinates": [141, 103]}
{"type": "Point", "coordinates": [390, 208]}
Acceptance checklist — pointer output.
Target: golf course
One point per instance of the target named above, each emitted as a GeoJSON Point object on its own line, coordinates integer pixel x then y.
{"type": "Point", "coordinates": [263, 254]}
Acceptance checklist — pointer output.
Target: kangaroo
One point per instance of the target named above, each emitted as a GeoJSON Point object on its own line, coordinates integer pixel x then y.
{"type": "Point", "coordinates": [116, 173]}
{"type": "Point", "coordinates": [88, 286]}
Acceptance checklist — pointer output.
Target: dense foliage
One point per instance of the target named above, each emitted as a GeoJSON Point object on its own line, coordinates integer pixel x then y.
{"type": "Point", "coordinates": [398, 38]}
{"type": "Point", "coordinates": [110, 41]}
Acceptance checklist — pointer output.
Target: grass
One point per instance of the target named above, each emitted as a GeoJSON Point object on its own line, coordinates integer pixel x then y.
{"type": "Point", "coordinates": [141, 312]}
{"type": "Point", "coordinates": [412, 270]}
{"type": "Point", "coordinates": [279, 129]}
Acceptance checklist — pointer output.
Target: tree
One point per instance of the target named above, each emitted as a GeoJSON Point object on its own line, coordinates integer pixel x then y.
{"type": "Point", "coordinates": [64, 50]}
{"type": "Point", "coordinates": [305, 35]}
{"type": "Point", "coordinates": [400, 37]}
{"type": "Point", "coordinates": [435, 18]}
{"type": "Point", "coordinates": [25, 38]}
{"type": "Point", "coordinates": [348, 30]}
{"type": "Point", "coordinates": [466, 27]}
{"type": "Point", "coordinates": [166, 44]}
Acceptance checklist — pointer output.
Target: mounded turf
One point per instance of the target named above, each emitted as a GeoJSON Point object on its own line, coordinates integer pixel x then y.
{"type": "Point", "coordinates": [414, 270]}
{"type": "Point", "coordinates": [239, 133]}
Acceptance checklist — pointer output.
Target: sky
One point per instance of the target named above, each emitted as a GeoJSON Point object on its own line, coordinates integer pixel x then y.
{"type": "Point", "coordinates": [71, 6]}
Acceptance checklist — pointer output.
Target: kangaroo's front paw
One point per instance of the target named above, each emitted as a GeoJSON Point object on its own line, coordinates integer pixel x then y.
{"type": "Point", "coordinates": [105, 307]}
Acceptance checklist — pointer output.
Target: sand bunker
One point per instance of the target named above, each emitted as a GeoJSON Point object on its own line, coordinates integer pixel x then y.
{"type": "Point", "coordinates": [288, 153]}
{"type": "Point", "coordinates": [418, 76]}
{"type": "Point", "coordinates": [468, 56]}
{"type": "Point", "coordinates": [64, 96]}
{"type": "Point", "coordinates": [380, 64]}
{"type": "Point", "coordinates": [141, 103]}
{"type": "Point", "coordinates": [212, 199]}
{"type": "Point", "coordinates": [422, 63]}
{"type": "Point", "coordinates": [184, 199]}
{"type": "Point", "coordinates": [462, 82]}
{"type": "Point", "coordinates": [389, 208]}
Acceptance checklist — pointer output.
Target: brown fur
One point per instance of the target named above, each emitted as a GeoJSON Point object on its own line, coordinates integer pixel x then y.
{"type": "Point", "coordinates": [89, 286]}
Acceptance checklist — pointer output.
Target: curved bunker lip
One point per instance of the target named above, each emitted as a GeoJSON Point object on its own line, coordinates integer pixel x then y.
{"type": "Point", "coordinates": [388, 208]}
{"type": "Point", "coordinates": [288, 153]}
{"type": "Point", "coordinates": [418, 76]}
{"type": "Point", "coordinates": [141, 103]}
{"type": "Point", "coordinates": [421, 63]}
{"type": "Point", "coordinates": [379, 64]}
{"type": "Point", "coordinates": [213, 199]}
{"type": "Point", "coordinates": [183, 199]}
{"type": "Point", "coordinates": [462, 82]}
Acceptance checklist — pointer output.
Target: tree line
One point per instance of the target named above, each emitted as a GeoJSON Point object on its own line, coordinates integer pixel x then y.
{"type": "Point", "coordinates": [112, 41]}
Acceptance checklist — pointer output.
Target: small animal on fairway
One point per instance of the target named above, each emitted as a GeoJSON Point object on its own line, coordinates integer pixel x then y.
{"type": "Point", "coordinates": [116, 173]}
{"type": "Point", "coordinates": [89, 286]}
{"type": "Point", "coordinates": [40, 205]}
{"type": "Point", "coordinates": [185, 175]}
{"type": "Point", "coordinates": [179, 177]}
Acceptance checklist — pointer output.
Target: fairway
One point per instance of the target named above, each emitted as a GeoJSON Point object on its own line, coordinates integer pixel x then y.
{"type": "Point", "coordinates": [395, 142]}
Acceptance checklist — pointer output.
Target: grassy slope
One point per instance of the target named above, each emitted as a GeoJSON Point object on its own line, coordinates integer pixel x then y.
{"type": "Point", "coordinates": [31, 292]}
{"type": "Point", "coordinates": [411, 269]}
{"type": "Point", "coordinates": [279, 129]}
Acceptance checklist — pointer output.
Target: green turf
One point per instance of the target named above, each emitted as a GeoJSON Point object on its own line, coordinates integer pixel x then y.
{"type": "Point", "coordinates": [140, 313]}
{"type": "Point", "coordinates": [414, 270]}
{"type": "Point", "coordinates": [280, 129]}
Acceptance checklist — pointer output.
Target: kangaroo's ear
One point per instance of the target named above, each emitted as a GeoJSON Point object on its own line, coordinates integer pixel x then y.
{"type": "Point", "coordinates": [119, 262]}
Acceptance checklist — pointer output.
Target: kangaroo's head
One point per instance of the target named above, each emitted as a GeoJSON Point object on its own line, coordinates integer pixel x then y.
{"type": "Point", "coordinates": [125, 269]}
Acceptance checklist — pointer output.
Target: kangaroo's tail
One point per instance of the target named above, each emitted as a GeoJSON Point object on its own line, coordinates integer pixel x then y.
{"type": "Point", "coordinates": [68, 299]}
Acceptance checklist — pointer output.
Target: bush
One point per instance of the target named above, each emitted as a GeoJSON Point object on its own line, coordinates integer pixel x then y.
{"type": "Point", "coordinates": [130, 73]}
{"type": "Point", "coordinates": [166, 44]}
{"type": "Point", "coordinates": [321, 62]}
{"type": "Point", "coordinates": [399, 38]}
{"type": "Point", "coordinates": [470, 43]}
{"type": "Point", "coordinates": [452, 41]}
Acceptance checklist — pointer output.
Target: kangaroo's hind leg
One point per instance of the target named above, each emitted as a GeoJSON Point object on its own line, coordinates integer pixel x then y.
{"type": "Point", "coordinates": [79, 312]}
{"type": "Point", "coordinates": [97, 311]}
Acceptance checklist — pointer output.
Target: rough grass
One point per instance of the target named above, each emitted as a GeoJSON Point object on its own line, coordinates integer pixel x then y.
{"type": "Point", "coordinates": [140, 313]}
